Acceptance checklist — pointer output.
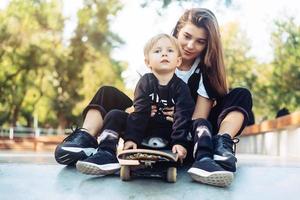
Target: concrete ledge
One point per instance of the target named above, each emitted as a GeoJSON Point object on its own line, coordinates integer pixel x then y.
{"type": "Point", "coordinates": [275, 124]}
{"type": "Point", "coordinates": [47, 142]}
{"type": "Point", "coordinates": [41, 143]}
{"type": "Point", "coordinates": [278, 137]}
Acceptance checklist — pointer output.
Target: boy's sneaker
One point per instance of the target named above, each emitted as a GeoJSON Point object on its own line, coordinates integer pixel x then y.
{"type": "Point", "coordinates": [224, 151]}
{"type": "Point", "coordinates": [207, 171]}
{"type": "Point", "coordinates": [77, 146]}
{"type": "Point", "coordinates": [101, 163]}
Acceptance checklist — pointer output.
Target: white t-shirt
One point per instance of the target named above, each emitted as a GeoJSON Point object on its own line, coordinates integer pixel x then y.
{"type": "Point", "coordinates": [185, 75]}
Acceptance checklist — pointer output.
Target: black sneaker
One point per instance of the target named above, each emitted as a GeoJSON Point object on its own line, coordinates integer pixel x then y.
{"type": "Point", "coordinates": [77, 146]}
{"type": "Point", "coordinates": [207, 171]}
{"type": "Point", "coordinates": [101, 163]}
{"type": "Point", "coordinates": [224, 151]}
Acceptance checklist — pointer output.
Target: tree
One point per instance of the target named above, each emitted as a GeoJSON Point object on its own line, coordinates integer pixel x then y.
{"type": "Point", "coordinates": [43, 75]}
{"type": "Point", "coordinates": [88, 64]}
{"type": "Point", "coordinates": [27, 28]}
{"type": "Point", "coordinates": [285, 81]}
{"type": "Point", "coordinates": [240, 65]}
{"type": "Point", "coordinates": [242, 69]}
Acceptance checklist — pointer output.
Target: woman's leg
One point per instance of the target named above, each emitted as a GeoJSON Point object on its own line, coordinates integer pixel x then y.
{"type": "Point", "coordinates": [205, 169]}
{"type": "Point", "coordinates": [231, 114]}
{"type": "Point", "coordinates": [106, 99]}
{"type": "Point", "coordinates": [227, 125]}
{"type": "Point", "coordinates": [93, 122]}
{"type": "Point", "coordinates": [229, 117]}
{"type": "Point", "coordinates": [82, 142]}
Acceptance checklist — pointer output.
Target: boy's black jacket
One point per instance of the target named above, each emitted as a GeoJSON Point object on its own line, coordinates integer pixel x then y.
{"type": "Point", "coordinates": [148, 92]}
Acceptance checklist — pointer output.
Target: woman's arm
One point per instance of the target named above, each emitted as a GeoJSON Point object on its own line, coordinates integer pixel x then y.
{"type": "Point", "coordinates": [202, 108]}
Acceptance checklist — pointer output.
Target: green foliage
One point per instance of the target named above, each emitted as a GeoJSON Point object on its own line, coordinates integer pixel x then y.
{"type": "Point", "coordinates": [241, 67]}
{"type": "Point", "coordinates": [42, 75]}
{"type": "Point", "coordinates": [25, 36]}
{"type": "Point", "coordinates": [285, 81]}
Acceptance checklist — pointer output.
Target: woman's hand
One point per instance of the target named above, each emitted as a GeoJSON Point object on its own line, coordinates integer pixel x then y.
{"type": "Point", "coordinates": [153, 110]}
{"type": "Point", "coordinates": [169, 113]}
{"type": "Point", "coordinates": [130, 145]}
{"type": "Point", "coordinates": [181, 151]}
{"type": "Point", "coordinates": [129, 109]}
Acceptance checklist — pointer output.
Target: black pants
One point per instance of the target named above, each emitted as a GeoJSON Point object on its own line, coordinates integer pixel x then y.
{"type": "Point", "coordinates": [239, 99]}
{"type": "Point", "coordinates": [111, 103]}
{"type": "Point", "coordinates": [108, 98]}
{"type": "Point", "coordinates": [116, 120]}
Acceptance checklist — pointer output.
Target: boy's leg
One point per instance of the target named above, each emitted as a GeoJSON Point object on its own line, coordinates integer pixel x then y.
{"type": "Point", "coordinates": [205, 169]}
{"type": "Point", "coordinates": [105, 161]}
{"type": "Point", "coordinates": [82, 142]}
{"type": "Point", "coordinates": [229, 117]}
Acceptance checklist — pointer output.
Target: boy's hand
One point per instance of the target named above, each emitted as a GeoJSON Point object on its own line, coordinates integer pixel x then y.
{"type": "Point", "coordinates": [180, 150]}
{"type": "Point", "coordinates": [130, 145]}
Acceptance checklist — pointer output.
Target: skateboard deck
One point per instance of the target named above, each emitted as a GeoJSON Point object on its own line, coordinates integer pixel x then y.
{"type": "Point", "coordinates": [149, 163]}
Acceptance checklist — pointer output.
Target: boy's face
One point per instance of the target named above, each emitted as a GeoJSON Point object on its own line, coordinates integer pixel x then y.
{"type": "Point", "coordinates": [163, 57]}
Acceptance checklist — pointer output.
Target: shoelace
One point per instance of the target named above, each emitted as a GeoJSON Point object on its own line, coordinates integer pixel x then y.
{"type": "Point", "coordinates": [229, 143]}
{"type": "Point", "coordinates": [73, 134]}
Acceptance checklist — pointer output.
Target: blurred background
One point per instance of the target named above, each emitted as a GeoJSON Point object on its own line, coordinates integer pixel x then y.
{"type": "Point", "coordinates": [55, 54]}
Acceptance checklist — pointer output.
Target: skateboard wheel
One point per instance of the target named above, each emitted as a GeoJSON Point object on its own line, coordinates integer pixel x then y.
{"type": "Point", "coordinates": [171, 174]}
{"type": "Point", "coordinates": [125, 173]}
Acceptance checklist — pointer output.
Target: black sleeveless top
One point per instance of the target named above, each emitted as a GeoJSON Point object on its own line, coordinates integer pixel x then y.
{"type": "Point", "coordinates": [194, 80]}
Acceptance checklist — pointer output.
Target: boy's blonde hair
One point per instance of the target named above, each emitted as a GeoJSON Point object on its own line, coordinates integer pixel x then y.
{"type": "Point", "coordinates": [149, 45]}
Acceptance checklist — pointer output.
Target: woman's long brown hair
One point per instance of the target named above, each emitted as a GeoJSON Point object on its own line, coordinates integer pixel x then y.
{"type": "Point", "coordinates": [212, 56]}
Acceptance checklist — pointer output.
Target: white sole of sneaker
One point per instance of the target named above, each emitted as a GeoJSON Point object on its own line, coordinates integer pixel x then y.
{"type": "Point", "coordinates": [87, 151]}
{"type": "Point", "coordinates": [94, 169]}
{"type": "Point", "coordinates": [219, 178]}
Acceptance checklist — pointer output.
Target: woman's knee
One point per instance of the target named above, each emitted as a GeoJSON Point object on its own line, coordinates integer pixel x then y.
{"type": "Point", "coordinates": [243, 96]}
{"type": "Point", "coordinates": [115, 114]}
{"type": "Point", "coordinates": [244, 92]}
{"type": "Point", "coordinates": [105, 89]}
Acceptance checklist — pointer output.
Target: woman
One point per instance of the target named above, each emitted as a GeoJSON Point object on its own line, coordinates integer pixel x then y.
{"type": "Point", "coordinates": [218, 117]}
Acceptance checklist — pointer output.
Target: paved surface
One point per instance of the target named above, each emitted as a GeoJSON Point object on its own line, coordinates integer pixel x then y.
{"type": "Point", "coordinates": [27, 176]}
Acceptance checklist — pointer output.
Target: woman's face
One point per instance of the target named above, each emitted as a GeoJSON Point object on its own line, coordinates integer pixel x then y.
{"type": "Point", "coordinates": [192, 41]}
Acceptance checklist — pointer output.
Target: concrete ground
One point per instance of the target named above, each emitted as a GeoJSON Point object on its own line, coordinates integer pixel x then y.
{"type": "Point", "coordinates": [36, 176]}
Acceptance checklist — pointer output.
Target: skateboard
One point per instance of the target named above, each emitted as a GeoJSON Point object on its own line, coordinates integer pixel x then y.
{"type": "Point", "coordinates": [148, 163]}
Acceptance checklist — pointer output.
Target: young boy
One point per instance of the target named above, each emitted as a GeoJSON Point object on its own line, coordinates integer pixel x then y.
{"type": "Point", "coordinates": [162, 89]}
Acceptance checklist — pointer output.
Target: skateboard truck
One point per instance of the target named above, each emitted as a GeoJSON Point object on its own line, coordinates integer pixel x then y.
{"type": "Point", "coordinates": [146, 162]}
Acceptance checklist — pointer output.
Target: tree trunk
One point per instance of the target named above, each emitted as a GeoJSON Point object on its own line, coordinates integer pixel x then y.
{"type": "Point", "coordinates": [62, 123]}
{"type": "Point", "coordinates": [15, 115]}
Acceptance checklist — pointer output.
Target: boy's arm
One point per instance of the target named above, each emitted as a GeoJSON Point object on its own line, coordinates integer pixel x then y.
{"type": "Point", "coordinates": [137, 121]}
{"type": "Point", "coordinates": [184, 108]}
